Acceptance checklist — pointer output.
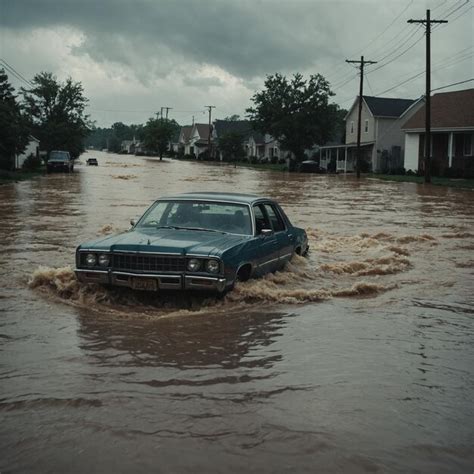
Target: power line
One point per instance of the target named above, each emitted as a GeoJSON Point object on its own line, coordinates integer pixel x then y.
{"type": "Point", "coordinates": [16, 73]}
{"type": "Point", "coordinates": [453, 84]}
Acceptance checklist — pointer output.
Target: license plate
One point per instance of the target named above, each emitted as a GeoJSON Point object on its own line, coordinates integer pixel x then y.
{"type": "Point", "coordinates": [148, 284]}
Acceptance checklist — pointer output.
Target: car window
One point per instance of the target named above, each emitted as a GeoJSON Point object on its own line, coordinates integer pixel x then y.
{"type": "Point", "coordinates": [261, 219]}
{"type": "Point", "coordinates": [223, 217]}
{"type": "Point", "coordinates": [275, 219]}
{"type": "Point", "coordinates": [59, 155]}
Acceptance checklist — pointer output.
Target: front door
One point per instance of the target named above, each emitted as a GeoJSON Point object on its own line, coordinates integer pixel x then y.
{"type": "Point", "coordinates": [267, 255]}
{"type": "Point", "coordinates": [283, 239]}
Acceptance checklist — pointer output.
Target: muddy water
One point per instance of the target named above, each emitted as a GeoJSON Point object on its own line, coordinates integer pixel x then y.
{"type": "Point", "coordinates": [357, 359]}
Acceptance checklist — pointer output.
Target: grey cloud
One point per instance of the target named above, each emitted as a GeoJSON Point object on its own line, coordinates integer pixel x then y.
{"type": "Point", "coordinates": [202, 82]}
{"type": "Point", "coordinates": [246, 38]}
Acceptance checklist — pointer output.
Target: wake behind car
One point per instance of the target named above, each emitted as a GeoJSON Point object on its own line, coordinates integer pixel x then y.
{"type": "Point", "coordinates": [60, 161]}
{"type": "Point", "coordinates": [196, 241]}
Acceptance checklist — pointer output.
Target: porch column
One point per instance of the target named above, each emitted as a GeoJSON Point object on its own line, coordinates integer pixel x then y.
{"type": "Point", "coordinates": [337, 158]}
{"type": "Point", "coordinates": [450, 149]}
{"type": "Point", "coordinates": [345, 161]}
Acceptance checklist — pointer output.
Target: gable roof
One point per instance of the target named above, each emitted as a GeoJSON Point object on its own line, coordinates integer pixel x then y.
{"type": "Point", "coordinates": [185, 132]}
{"type": "Point", "coordinates": [242, 127]}
{"type": "Point", "coordinates": [448, 110]}
{"type": "Point", "coordinates": [387, 107]}
{"type": "Point", "coordinates": [203, 129]}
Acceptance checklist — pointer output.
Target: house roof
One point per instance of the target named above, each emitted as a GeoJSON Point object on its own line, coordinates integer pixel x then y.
{"type": "Point", "coordinates": [203, 129]}
{"type": "Point", "coordinates": [258, 137]}
{"type": "Point", "coordinates": [223, 127]}
{"type": "Point", "coordinates": [186, 131]}
{"type": "Point", "coordinates": [448, 110]}
{"type": "Point", "coordinates": [387, 107]}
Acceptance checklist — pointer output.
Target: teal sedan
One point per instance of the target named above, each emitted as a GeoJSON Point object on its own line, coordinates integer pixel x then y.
{"type": "Point", "coordinates": [195, 241]}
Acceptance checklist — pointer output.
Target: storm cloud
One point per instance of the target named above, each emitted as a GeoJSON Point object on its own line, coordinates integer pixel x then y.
{"type": "Point", "coordinates": [189, 53]}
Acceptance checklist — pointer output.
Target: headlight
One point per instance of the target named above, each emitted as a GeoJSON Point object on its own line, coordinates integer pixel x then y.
{"type": "Point", "coordinates": [103, 260]}
{"type": "Point", "coordinates": [91, 259]}
{"type": "Point", "coordinates": [212, 266]}
{"type": "Point", "coordinates": [193, 265]}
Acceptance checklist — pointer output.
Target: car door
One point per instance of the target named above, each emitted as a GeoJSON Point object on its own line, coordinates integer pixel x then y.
{"type": "Point", "coordinates": [284, 240]}
{"type": "Point", "coordinates": [266, 251]}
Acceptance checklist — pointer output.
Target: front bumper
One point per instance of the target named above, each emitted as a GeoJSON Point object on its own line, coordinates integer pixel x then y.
{"type": "Point", "coordinates": [163, 281]}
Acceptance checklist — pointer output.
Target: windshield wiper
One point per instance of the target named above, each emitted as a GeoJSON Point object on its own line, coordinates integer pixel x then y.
{"type": "Point", "coordinates": [201, 229]}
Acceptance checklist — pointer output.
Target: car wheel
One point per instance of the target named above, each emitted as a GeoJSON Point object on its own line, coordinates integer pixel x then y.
{"type": "Point", "coordinates": [244, 273]}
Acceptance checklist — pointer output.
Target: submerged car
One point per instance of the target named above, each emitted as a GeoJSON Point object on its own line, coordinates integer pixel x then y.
{"type": "Point", "coordinates": [310, 166]}
{"type": "Point", "coordinates": [92, 162]}
{"type": "Point", "coordinates": [196, 241]}
{"type": "Point", "coordinates": [60, 161]}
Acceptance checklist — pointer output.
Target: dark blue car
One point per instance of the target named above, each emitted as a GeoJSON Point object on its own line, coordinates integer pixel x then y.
{"type": "Point", "coordinates": [196, 241]}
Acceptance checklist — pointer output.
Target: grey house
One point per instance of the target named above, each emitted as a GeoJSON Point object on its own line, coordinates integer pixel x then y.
{"type": "Point", "coordinates": [382, 139]}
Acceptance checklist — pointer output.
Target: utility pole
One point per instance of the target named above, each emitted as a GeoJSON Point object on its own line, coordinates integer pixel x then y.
{"type": "Point", "coordinates": [427, 23]}
{"type": "Point", "coordinates": [167, 108]}
{"type": "Point", "coordinates": [161, 113]}
{"type": "Point", "coordinates": [193, 119]}
{"type": "Point", "coordinates": [362, 62]}
{"type": "Point", "coordinates": [210, 107]}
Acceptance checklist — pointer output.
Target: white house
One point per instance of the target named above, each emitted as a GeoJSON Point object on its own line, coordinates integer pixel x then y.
{"type": "Point", "coordinates": [31, 149]}
{"type": "Point", "coordinates": [198, 141]}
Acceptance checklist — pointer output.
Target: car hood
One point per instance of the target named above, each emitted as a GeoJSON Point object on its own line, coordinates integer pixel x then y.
{"type": "Point", "coordinates": [184, 242]}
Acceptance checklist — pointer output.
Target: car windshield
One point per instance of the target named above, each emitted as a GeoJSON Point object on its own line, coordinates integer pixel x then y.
{"type": "Point", "coordinates": [207, 216]}
{"type": "Point", "coordinates": [59, 156]}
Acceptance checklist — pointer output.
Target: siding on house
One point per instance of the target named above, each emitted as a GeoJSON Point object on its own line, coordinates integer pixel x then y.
{"type": "Point", "coordinates": [31, 149]}
{"type": "Point", "coordinates": [353, 117]}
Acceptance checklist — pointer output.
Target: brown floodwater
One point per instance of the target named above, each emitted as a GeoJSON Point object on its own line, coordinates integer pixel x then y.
{"type": "Point", "coordinates": [359, 358]}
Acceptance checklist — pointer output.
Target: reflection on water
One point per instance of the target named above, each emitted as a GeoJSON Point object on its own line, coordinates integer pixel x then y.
{"type": "Point", "coordinates": [357, 359]}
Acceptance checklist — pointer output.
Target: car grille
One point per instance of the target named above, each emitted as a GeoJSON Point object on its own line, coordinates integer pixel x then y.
{"type": "Point", "coordinates": [148, 263]}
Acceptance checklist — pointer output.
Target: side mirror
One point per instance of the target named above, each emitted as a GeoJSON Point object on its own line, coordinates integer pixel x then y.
{"type": "Point", "coordinates": [132, 222]}
{"type": "Point", "coordinates": [266, 232]}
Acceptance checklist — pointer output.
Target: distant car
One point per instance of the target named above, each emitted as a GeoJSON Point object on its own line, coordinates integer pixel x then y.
{"type": "Point", "coordinates": [196, 241]}
{"type": "Point", "coordinates": [60, 161]}
{"type": "Point", "coordinates": [310, 166]}
{"type": "Point", "coordinates": [92, 162]}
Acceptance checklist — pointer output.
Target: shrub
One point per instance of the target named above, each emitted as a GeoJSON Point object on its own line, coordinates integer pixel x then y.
{"type": "Point", "coordinates": [32, 163]}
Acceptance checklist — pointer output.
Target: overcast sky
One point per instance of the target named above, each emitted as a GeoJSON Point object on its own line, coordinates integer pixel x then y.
{"type": "Point", "coordinates": [135, 56]}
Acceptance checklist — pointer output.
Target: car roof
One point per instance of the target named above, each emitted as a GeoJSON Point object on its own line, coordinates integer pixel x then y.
{"type": "Point", "coordinates": [216, 196]}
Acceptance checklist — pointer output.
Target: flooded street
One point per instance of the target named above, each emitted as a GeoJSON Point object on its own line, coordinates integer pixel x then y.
{"type": "Point", "coordinates": [357, 359]}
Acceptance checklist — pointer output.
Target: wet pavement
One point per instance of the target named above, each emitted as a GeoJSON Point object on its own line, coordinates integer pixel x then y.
{"type": "Point", "coordinates": [357, 359]}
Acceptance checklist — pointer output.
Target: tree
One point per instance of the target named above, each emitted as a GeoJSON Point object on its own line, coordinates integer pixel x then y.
{"type": "Point", "coordinates": [295, 111]}
{"type": "Point", "coordinates": [13, 128]}
{"type": "Point", "coordinates": [158, 133]}
{"type": "Point", "coordinates": [56, 113]}
{"type": "Point", "coordinates": [232, 118]}
{"type": "Point", "coordinates": [231, 146]}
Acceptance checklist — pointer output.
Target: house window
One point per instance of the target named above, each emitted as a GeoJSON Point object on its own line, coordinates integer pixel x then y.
{"type": "Point", "coordinates": [467, 149]}
{"type": "Point", "coordinates": [352, 127]}
{"type": "Point", "coordinates": [366, 126]}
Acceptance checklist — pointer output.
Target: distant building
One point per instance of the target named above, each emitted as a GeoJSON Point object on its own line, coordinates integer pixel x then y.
{"type": "Point", "coordinates": [452, 135]}
{"type": "Point", "coordinates": [198, 139]}
{"type": "Point", "coordinates": [32, 148]}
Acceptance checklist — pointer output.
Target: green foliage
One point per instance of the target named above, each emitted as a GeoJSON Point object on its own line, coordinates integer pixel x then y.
{"type": "Point", "coordinates": [232, 118]}
{"type": "Point", "coordinates": [158, 133]}
{"type": "Point", "coordinates": [231, 146]}
{"type": "Point", "coordinates": [111, 138]}
{"type": "Point", "coordinates": [32, 163]}
{"type": "Point", "coordinates": [295, 111]}
{"type": "Point", "coordinates": [56, 113]}
{"type": "Point", "coordinates": [13, 127]}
